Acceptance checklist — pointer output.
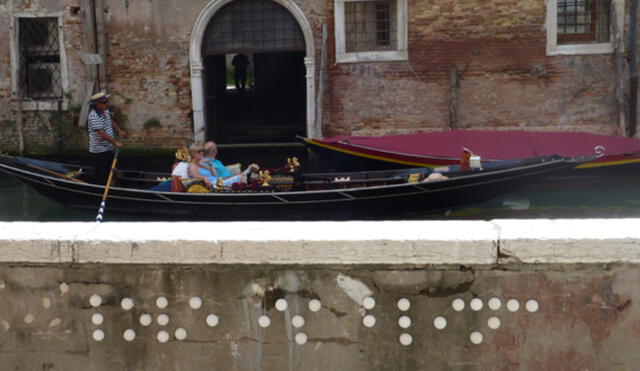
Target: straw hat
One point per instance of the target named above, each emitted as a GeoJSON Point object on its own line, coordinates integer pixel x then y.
{"type": "Point", "coordinates": [99, 96]}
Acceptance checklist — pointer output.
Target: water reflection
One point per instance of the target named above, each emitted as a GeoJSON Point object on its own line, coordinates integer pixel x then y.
{"type": "Point", "coordinates": [612, 197]}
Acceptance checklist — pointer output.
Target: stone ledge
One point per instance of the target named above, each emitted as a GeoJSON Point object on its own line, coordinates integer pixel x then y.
{"type": "Point", "coordinates": [391, 243]}
{"type": "Point", "coordinates": [567, 241]}
{"type": "Point", "coordinates": [348, 243]}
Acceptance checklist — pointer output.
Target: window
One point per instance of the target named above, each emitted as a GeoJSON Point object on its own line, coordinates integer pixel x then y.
{"type": "Point", "coordinates": [369, 26]}
{"type": "Point", "coordinates": [38, 58]}
{"type": "Point", "coordinates": [371, 30]}
{"type": "Point", "coordinates": [582, 26]}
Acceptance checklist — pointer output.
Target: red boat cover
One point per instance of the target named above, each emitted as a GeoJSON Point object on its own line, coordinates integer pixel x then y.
{"type": "Point", "coordinates": [492, 144]}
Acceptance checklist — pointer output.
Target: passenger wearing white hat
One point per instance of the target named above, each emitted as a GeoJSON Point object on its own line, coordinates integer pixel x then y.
{"type": "Point", "coordinates": [101, 136]}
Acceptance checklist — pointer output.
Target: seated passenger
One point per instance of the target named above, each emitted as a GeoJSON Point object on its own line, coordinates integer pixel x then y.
{"type": "Point", "coordinates": [180, 170]}
{"type": "Point", "coordinates": [214, 169]}
{"type": "Point", "coordinates": [194, 167]}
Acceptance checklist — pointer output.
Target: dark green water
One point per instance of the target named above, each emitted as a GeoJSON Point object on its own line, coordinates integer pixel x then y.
{"type": "Point", "coordinates": [615, 197]}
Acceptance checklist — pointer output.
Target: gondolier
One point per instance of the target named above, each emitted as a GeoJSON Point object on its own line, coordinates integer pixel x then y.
{"type": "Point", "coordinates": [102, 140]}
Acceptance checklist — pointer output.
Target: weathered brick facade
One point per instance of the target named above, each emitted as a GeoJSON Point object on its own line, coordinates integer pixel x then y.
{"type": "Point", "coordinates": [505, 78]}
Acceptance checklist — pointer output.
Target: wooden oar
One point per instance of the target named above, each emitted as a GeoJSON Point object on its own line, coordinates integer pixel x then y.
{"type": "Point", "coordinates": [106, 188]}
{"type": "Point", "coordinates": [51, 172]}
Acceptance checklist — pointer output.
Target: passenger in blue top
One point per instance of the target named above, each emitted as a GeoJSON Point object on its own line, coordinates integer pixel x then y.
{"type": "Point", "coordinates": [214, 169]}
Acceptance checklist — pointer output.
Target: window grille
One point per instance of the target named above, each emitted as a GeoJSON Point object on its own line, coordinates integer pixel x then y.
{"type": "Point", "coordinates": [256, 25]}
{"type": "Point", "coordinates": [583, 21]}
{"type": "Point", "coordinates": [370, 26]}
{"type": "Point", "coordinates": [40, 75]}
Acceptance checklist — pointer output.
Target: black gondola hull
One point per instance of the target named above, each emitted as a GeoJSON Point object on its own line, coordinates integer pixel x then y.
{"type": "Point", "coordinates": [406, 200]}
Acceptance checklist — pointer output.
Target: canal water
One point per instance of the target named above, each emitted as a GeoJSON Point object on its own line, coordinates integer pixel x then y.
{"type": "Point", "coordinates": [609, 197]}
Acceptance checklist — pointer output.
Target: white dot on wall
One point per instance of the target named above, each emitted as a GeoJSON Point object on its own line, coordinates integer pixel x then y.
{"type": "Point", "coordinates": [301, 338]}
{"type": "Point", "coordinates": [97, 319]}
{"type": "Point", "coordinates": [126, 303]}
{"type": "Point", "coordinates": [195, 302]}
{"type": "Point", "coordinates": [64, 288]}
{"type": "Point", "coordinates": [162, 302]}
{"type": "Point", "coordinates": [476, 337]}
{"type": "Point", "coordinates": [369, 320]}
{"type": "Point", "coordinates": [440, 322]}
{"type": "Point", "coordinates": [180, 333]}
{"type": "Point", "coordinates": [494, 303]}
{"type": "Point", "coordinates": [163, 336]}
{"type": "Point", "coordinates": [404, 304]}
{"type": "Point", "coordinates": [281, 305]}
{"type": "Point", "coordinates": [494, 323]}
{"type": "Point", "coordinates": [368, 302]}
{"type": "Point", "coordinates": [297, 321]}
{"type": "Point", "coordinates": [3, 285]}
{"type": "Point", "coordinates": [532, 306]}
{"type": "Point", "coordinates": [213, 320]}
{"type": "Point", "coordinates": [314, 305]}
{"type": "Point", "coordinates": [6, 325]}
{"type": "Point", "coordinates": [513, 305]}
{"type": "Point", "coordinates": [46, 303]}
{"type": "Point", "coordinates": [457, 304]}
{"type": "Point", "coordinates": [162, 319]}
{"type": "Point", "coordinates": [29, 318]}
{"type": "Point", "coordinates": [476, 304]}
{"type": "Point", "coordinates": [404, 322]}
{"type": "Point", "coordinates": [405, 339]}
{"type": "Point", "coordinates": [145, 319]}
{"type": "Point", "coordinates": [95, 300]}
{"type": "Point", "coordinates": [129, 334]}
{"type": "Point", "coordinates": [98, 335]}
{"type": "Point", "coordinates": [55, 322]}
{"type": "Point", "coordinates": [264, 321]}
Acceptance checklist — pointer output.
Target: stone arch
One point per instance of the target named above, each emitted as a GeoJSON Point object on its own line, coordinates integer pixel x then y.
{"type": "Point", "coordinates": [196, 65]}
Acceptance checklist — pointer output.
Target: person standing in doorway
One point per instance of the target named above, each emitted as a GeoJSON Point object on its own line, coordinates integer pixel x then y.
{"type": "Point", "coordinates": [240, 63]}
{"type": "Point", "coordinates": [101, 136]}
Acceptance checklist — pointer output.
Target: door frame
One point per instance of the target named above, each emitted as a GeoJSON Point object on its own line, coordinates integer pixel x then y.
{"type": "Point", "coordinates": [197, 66]}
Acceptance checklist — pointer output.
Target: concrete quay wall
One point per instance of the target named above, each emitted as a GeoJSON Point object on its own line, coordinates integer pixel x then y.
{"type": "Point", "coordinates": [414, 295]}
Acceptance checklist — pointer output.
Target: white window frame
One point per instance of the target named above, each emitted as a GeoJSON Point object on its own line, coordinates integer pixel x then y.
{"type": "Point", "coordinates": [579, 49]}
{"type": "Point", "coordinates": [399, 54]}
{"type": "Point", "coordinates": [45, 104]}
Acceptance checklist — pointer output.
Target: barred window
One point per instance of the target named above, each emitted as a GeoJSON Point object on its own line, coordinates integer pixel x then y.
{"type": "Point", "coordinates": [371, 30]}
{"type": "Point", "coordinates": [39, 58]}
{"type": "Point", "coordinates": [583, 21]}
{"type": "Point", "coordinates": [370, 26]}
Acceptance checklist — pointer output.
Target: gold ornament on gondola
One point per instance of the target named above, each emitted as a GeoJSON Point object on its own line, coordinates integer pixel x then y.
{"type": "Point", "coordinates": [197, 186]}
{"type": "Point", "coordinates": [74, 173]}
{"type": "Point", "coordinates": [293, 164]}
{"type": "Point", "coordinates": [265, 178]}
{"type": "Point", "coordinates": [182, 154]}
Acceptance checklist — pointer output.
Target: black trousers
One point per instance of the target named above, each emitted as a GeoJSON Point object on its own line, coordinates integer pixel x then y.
{"type": "Point", "coordinates": [102, 164]}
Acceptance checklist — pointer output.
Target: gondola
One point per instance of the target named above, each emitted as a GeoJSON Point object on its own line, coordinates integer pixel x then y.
{"type": "Point", "coordinates": [345, 153]}
{"type": "Point", "coordinates": [365, 195]}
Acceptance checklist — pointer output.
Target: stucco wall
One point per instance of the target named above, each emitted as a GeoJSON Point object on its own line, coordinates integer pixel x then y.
{"type": "Point", "coordinates": [509, 295]}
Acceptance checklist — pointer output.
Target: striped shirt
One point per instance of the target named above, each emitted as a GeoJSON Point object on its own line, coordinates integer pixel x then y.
{"type": "Point", "coordinates": [97, 122]}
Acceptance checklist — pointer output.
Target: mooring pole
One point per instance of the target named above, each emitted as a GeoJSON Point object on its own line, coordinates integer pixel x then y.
{"type": "Point", "coordinates": [633, 73]}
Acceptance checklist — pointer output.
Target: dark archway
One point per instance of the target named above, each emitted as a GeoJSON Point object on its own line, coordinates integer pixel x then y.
{"type": "Point", "coordinates": [272, 106]}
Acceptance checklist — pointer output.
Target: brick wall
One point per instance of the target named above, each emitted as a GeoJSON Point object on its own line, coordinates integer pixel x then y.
{"type": "Point", "coordinates": [505, 79]}
{"type": "Point", "coordinates": [497, 48]}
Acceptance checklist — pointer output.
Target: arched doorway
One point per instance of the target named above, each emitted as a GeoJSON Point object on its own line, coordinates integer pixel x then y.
{"type": "Point", "coordinates": [278, 101]}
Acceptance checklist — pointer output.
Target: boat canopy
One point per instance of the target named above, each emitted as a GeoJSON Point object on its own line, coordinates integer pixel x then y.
{"type": "Point", "coordinates": [493, 145]}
